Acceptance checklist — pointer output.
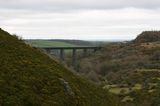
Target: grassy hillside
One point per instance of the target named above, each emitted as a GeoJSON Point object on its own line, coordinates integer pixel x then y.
{"type": "Point", "coordinates": [49, 43]}
{"type": "Point", "coordinates": [60, 43]}
{"type": "Point", "coordinates": [75, 42]}
{"type": "Point", "coordinates": [64, 43]}
{"type": "Point", "coordinates": [30, 78]}
{"type": "Point", "coordinates": [129, 70]}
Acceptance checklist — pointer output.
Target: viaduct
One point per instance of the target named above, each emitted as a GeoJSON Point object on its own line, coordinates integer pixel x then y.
{"type": "Point", "coordinates": [74, 50]}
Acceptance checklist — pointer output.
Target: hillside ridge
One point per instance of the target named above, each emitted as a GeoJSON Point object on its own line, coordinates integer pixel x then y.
{"type": "Point", "coordinates": [29, 77]}
{"type": "Point", "coordinates": [148, 36]}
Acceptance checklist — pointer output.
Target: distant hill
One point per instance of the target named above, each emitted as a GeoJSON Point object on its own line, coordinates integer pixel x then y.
{"type": "Point", "coordinates": [148, 36]}
{"type": "Point", "coordinates": [58, 43]}
{"type": "Point", "coordinates": [76, 42]}
{"type": "Point", "coordinates": [28, 77]}
{"type": "Point", "coordinates": [48, 43]}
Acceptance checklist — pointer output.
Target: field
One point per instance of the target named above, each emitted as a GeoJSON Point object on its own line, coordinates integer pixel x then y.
{"type": "Point", "coordinates": [63, 43]}
{"type": "Point", "coordinates": [47, 43]}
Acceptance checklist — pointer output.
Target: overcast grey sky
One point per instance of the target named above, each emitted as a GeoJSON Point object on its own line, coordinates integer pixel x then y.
{"type": "Point", "coordinates": [79, 19]}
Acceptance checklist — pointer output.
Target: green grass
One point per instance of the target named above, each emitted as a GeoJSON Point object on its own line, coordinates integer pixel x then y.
{"type": "Point", "coordinates": [119, 90]}
{"type": "Point", "coordinates": [157, 78]}
{"type": "Point", "coordinates": [148, 70]}
{"type": "Point", "coordinates": [127, 98]}
{"type": "Point", "coordinates": [110, 86]}
{"type": "Point", "coordinates": [137, 87]}
{"type": "Point", "coordinates": [46, 43]}
{"type": "Point", "coordinates": [115, 89]}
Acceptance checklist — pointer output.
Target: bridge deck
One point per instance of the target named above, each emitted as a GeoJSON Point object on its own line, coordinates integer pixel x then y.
{"type": "Point", "coordinates": [85, 47]}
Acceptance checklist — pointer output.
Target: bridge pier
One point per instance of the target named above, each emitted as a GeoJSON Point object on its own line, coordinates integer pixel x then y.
{"type": "Point", "coordinates": [48, 51]}
{"type": "Point", "coordinates": [74, 52]}
{"type": "Point", "coordinates": [61, 55]}
{"type": "Point", "coordinates": [74, 58]}
{"type": "Point", "coordinates": [95, 49]}
{"type": "Point", "coordinates": [84, 52]}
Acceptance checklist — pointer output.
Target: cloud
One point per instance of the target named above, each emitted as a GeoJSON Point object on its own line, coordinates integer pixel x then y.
{"type": "Point", "coordinates": [79, 19]}
{"type": "Point", "coordinates": [68, 5]}
{"type": "Point", "coordinates": [123, 23]}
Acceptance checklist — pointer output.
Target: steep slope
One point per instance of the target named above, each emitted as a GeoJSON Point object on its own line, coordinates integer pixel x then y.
{"type": "Point", "coordinates": [30, 78]}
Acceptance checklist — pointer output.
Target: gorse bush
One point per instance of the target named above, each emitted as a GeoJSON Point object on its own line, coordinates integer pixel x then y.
{"type": "Point", "coordinates": [156, 56]}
